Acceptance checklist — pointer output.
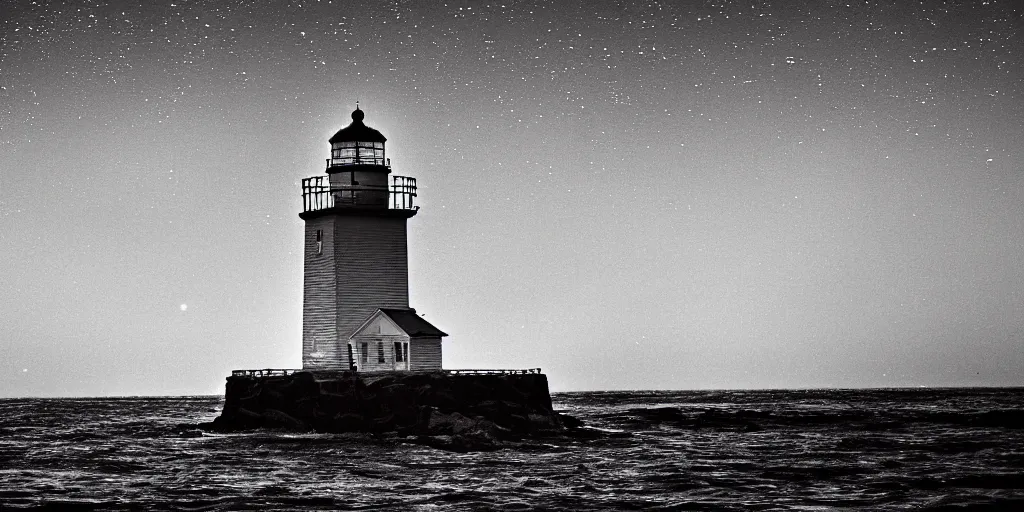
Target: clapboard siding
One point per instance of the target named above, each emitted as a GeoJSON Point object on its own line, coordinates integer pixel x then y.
{"type": "Point", "coordinates": [372, 268]}
{"type": "Point", "coordinates": [320, 345]}
{"type": "Point", "coordinates": [425, 354]}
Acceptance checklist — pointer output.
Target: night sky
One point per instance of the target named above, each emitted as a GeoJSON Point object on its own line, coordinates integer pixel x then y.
{"type": "Point", "coordinates": [629, 195]}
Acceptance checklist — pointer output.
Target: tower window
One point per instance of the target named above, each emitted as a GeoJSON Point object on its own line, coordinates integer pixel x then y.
{"type": "Point", "coordinates": [319, 241]}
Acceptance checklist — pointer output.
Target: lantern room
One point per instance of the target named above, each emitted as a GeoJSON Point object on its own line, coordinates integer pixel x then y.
{"type": "Point", "coordinates": [357, 170]}
{"type": "Point", "coordinates": [356, 144]}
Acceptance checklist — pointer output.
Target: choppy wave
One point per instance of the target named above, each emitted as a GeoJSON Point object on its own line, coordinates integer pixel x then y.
{"type": "Point", "coordinates": [939, 449]}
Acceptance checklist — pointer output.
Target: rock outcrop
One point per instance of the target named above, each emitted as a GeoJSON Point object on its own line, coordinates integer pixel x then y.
{"type": "Point", "coordinates": [453, 412]}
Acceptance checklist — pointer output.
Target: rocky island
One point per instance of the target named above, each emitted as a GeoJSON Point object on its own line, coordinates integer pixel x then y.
{"type": "Point", "coordinates": [460, 410]}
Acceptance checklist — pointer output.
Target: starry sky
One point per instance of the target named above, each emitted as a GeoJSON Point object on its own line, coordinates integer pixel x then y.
{"type": "Point", "coordinates": [629, 195]}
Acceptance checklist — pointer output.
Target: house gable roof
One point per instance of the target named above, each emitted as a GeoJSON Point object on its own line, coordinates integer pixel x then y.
{"type": "Point", "coordinates": [405, 320]}
{"type": "Point", "coordinates": [413, 324]}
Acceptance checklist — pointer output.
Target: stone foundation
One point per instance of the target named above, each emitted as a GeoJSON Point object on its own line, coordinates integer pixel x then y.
{"type": "Point", "coordinates": [437, 408]}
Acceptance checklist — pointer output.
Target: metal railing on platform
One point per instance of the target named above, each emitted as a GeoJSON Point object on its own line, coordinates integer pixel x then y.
{"type": "Point", "coordinates": [317, 194]}
{"type": "Point", "coordinates": [493, 372]}
{"type": "Point", "coordinates": [281, 372]}
{"type": "Point", "coordinates": [267, 372]}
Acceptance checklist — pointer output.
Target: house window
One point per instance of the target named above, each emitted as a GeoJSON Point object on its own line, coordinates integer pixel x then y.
{"type": "Point", "coordinates": [319, 241]}
{"type": "Point", "coordinates": [399, 356]}
{"type": "Point", "coordinates": [363, 352]}
{"type": "Point", "coordinates": [405, 351]}
{"type": "Point", "coordinates": [380, 352]}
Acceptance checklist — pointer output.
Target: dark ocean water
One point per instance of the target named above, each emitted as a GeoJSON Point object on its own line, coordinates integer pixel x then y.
{"type": "Point", "coordinates": [934, 449]}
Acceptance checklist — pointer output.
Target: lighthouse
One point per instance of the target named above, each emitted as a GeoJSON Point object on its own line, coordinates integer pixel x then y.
{"type": "Point", "coordinates": [363, 347]}
{"type": "Point", "coordinates": [355, 309]}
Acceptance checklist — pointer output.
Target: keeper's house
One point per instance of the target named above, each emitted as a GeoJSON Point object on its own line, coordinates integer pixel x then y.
{"type": "Point", "coordinates": [355, 310]}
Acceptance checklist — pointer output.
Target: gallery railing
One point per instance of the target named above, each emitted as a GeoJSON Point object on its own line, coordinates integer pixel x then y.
{"type": "Point", "coordinates": [317, 194]}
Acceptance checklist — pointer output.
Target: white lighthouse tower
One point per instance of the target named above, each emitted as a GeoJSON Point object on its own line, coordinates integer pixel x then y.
{"type": "Point", "coordinates": [355, 311]}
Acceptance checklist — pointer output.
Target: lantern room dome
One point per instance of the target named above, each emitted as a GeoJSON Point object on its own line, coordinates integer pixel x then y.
{"type": "Point", "coordinates": [357, 131]}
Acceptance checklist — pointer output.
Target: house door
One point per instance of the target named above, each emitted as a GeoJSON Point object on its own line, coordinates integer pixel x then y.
{"type": "Point", "coordinates": [401, 359]}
